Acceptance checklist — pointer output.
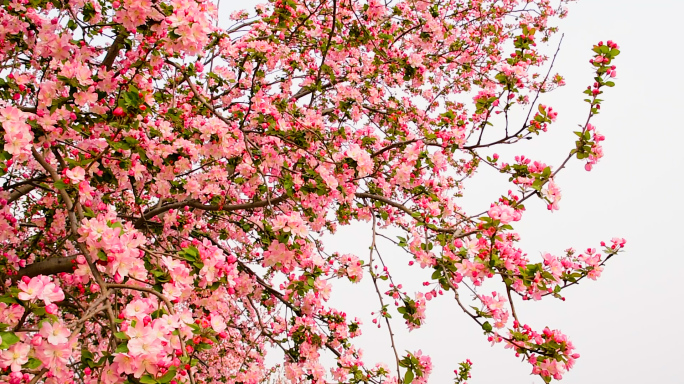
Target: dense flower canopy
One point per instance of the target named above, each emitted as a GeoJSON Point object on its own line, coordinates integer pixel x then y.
{"type": "Point", "coordinates": [166, 183]}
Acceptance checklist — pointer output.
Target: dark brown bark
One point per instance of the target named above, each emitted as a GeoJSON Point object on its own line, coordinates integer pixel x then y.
{"type": "Point", "coordinates": [196, 204]}
{"type": "Point", "coordinates": [51, 266]}
{"type": "Point", "coordinates": [113, 50]}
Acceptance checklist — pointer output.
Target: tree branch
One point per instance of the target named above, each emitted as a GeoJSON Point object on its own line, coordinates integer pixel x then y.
{"type": "Point", "coordinates": [19, 192]}
{"type": "Point", "coordinates": [456, 232]}
{"type": "Point", "coordinates": [207, 207]}
{"type": "Point", "coordinates": [113, 50]}
{"type": "Point", "coordinates": [46, 267]}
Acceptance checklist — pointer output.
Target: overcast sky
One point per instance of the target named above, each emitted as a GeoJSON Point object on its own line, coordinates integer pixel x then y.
{"type": "Point", "coordinates": [625, 324]}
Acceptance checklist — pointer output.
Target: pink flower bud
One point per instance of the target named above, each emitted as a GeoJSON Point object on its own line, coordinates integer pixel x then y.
{"type": "Point", "coordinates": [15, 378]}
{"type": "Point", "coordinates": [119, 112]}
{"type": "Point", "coordinates": [37, 341]}
{"type": "Point", "coordinates": [51, 308]}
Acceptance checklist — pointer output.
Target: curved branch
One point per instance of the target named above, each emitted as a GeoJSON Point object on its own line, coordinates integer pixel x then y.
{"type": "Point", "coordinates": [402, 143]}
{"type": "Point", "coordinates": [19, 192]}
{"type": "Point", "coordinates": [27, 181]}
{"type": "Point", "coordinates": [207, 207]}
{"type": "Point", "coordinates": [456, 232]}
{"type": "Point", "coordinates": [113, 50]}
{"type": "Point", "coordinates": [151, 291]}
{"type": "Point", "coordinates": [198, 96]}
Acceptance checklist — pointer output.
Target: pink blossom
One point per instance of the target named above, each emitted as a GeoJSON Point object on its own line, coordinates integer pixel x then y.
{"type": "Point", "coordinates": [15, 356]}
{"type": "Point", "coordinates": [51, 293]}
{"type": "Point", "coordinates": [218, 323]}
{"type": "Point", "coordinates": [552, 193]}
{"type": "Point", "coordinates": [278, 253]}
{"type": "Point", "coordinates": [76, 174]}
{"type": "Point", "coordinates": [55, 333]}
{"type": "Point", "coordinates": [503, 213]}
{"type": "Point", "coordinates": [210, 200]}
{"type": "Point", "coordinates": [40, 287]}
{"type": "Point", "coordinates": [85, 98]}
{"type": "Point", "coordinates": [137, 309]}
{"type": "Point", "coordinates": [146, 345]}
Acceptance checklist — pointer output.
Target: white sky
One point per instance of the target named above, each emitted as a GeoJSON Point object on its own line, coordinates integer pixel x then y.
{"type": "Point", "coordinates": [623, 325]}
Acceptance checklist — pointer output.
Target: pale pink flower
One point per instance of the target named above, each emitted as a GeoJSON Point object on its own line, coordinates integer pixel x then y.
{"type": "Point", "coordinates": [15, 356]}
{"type": "Point", "coordinates": [278, 253]}
{"type": "Point", "coordinates": [553, 194]}
{"type": "Point", "coordinates": [210, 270]}
{"type": "Point", "coordinates": [55, 355]}
{"type": "Point", "coordinates": [76, 175]}
{"type": "Point", "coordinates": [84, 98]}
{"type": "Point", "coordinates": [137, 309]}
{"type": "Point", "coordinates": [110, 376]}
{"type": "Point", "coordinates": [17, 142]}
{"type": "Point", "coordinates": [51, 293]}
{"type": "Point", "coordinates": [55, 333]}
{"type": "Point", "coordinates": [29, 291]}
{"type": "Point", "coordinates": [147, 345]}
{"type": "Point", "coordinates": [218, 323]}
{"type": "Point", "coordinates": [503, 213]}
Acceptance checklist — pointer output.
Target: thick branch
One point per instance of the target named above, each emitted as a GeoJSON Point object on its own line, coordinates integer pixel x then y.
{"type": "Point", "coordinates": [47, 267]}
{"type": "Point", "coordinates": [402, 143]}
{"type": "Point", "coordinates": [19, 192]}
{"type": "Point", "coordinates": [207, 207]}
{"type": "Point", "coordinates": [24, 187]}
{"type": "Point", "coordinates": [113, 50]}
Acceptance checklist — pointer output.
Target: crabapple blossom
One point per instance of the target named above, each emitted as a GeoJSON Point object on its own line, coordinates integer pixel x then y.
{"type": "Point", "coordinates": [76, 175]}
{"type": "Point", "coordinates": [14, 357]}
{"type": "Point", "coordinates": [55, 333]}
{"type": "Point", "coordinates": [503, 213]}
{"type": "Point", "coordinates": [168, 185]}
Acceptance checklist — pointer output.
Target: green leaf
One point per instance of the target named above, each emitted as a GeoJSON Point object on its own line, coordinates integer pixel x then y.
{"type": "Point", "coordinates": [40, 311]}
{"type": "Point", "coordinates": [408, 377]}
{"type": "Point", "coordinates": [168, 376]}
{"type": "Point", "coordinates": [122, 348]}
{"type": "Point", "coordinates": [8, 339]}
{"type": "Point", "coordinates": [59, 184]}
{"type": "Point", "coordinates": [33, 363]}
{"type": "Point", "coordinates": [192, 252]}
{"type": "Point", "coordinates": [8, 300]}
{"type": "Point", "coordinates": [86, 355]}
{"type": "Point", "coordinates": [88, 12]}
{"type": "Point", "coordinates": [121, 335]}
{"type": "Point", "coordinates": [147, 379]}
{"type": "Point", "coordinates": [487, 327]}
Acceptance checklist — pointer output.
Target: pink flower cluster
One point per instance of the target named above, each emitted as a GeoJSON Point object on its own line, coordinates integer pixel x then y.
{"type": "Point", "coordinates": [41, 288]}
{"type": "Point", "coordinates": [504, 213]}
{"type": "Point", "coordinates": [18, 136]}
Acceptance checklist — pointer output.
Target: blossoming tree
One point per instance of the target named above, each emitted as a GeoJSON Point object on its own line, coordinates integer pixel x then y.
{"type": "Point", "coordinates": [166, 183]}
